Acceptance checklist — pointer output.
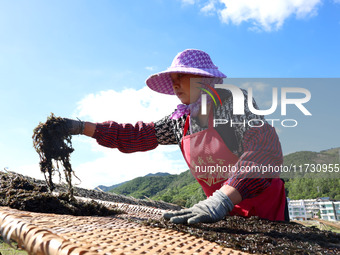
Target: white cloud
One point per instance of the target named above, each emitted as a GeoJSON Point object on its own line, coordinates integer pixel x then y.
{"type": "Point", "coordinates": [127, 106]}
{"type": "Point", "coordinates": [32, 170]}
{"type": "Point", "coordinates": [188, 2]}
{"type": "Point", "coordinates": [209, 8]}
{"type": "Point", "coordinates": [150, 68]}
{"type": "Point", "coordinates": [264, 15]}
{"type": "Point", "coordinates": [115, 167]}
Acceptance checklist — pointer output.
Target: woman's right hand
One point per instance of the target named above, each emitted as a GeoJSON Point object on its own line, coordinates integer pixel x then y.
{"type": "Point", "coordinates": [74, 127]}
{"type": "Point", "coordinates": [78, 127]}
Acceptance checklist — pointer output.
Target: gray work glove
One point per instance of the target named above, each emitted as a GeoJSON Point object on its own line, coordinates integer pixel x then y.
{"type": "Point", "coordinates": [74, 127]}
{"type": "Point", "coordinates": [213, 209]}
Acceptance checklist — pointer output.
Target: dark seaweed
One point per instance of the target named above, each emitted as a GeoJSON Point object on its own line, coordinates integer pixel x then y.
{"type": "Point", "coordinates": [19, 193]}
{"type": "Point", "coordinates": [252, 235]}
{"type": "Point", "coordinates": [53, 144]}
{"type": "Point", "coordinates": [255, 235]}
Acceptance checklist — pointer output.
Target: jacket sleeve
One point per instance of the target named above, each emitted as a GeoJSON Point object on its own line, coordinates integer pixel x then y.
{"type": "Point", "coordinates": [126, 138]}
{"type": "Point", "coordinates": [142, 136]}
{"type": "Point", "coordinates": [258, 148]}
{"type": "Point", "coordinates": [256, 166]}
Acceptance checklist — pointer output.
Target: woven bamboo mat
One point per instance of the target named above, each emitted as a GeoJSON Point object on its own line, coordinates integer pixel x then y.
{"type": "Point", "coordinates": [39, 233]}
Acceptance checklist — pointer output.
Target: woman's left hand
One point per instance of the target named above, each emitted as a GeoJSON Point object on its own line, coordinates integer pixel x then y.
{"type": "Point", "coordinates": [213, 209]}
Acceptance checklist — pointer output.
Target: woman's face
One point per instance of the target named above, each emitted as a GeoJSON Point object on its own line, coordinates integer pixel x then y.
{"type": "Point", "coordinates": [181, 86]}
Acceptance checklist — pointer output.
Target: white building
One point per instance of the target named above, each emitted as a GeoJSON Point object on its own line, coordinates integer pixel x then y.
{"type": "Point", "coordinates": [305, 209]}
{"type": "Point", "coordinates": [329, 210]}
{"type": "Point", "coordinates": [297, 210]}
{"type": "Point", "coordinates": [312, 208]}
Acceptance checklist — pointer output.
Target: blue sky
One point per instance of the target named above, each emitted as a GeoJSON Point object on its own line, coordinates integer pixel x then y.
{"type": "Point", "coordinates": [90, 59]}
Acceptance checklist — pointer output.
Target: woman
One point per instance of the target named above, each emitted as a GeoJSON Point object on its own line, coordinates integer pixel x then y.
{"type": "Point", "coordinates": [236, 192]}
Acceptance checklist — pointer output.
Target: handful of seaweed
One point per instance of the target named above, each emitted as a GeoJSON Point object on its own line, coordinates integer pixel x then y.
{"type": "Point", "coordinates": [53, 143]}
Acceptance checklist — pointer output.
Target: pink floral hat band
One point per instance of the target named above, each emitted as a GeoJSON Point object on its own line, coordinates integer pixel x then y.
{"type": "Point", "coordinates": [190, 61]}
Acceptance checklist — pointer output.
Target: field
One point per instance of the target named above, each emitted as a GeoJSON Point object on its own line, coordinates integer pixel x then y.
{"type": "Point", "coordinates": [6, 249]}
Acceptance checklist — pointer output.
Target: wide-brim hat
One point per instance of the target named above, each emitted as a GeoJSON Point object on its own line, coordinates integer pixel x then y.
{"type": "Point", "coordinates": [188, 61]}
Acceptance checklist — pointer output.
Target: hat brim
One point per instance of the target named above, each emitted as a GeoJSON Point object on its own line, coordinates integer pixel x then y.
{"type": "Point", "coordinates": [162, 83]}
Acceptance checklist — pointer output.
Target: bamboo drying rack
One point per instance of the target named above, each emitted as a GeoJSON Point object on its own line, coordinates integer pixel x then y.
{"type": "Point", "coordinates": [52, 234]}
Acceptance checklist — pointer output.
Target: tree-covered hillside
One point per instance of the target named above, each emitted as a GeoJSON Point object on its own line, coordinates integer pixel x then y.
{"type": "Point", "coordinates": [108, 188]}
{"type": "Point", "coordinates": [144, 186]}
{"type": "Point", "coordinates": [179, 189]}
{"type": "Point", "coordinates": [320, 175]}
{"type": "Point", "coordinates": [184, 191]}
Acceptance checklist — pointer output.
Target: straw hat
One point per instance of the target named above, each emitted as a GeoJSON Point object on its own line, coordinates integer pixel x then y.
{"type": "Point", "coordinates": [188, 61]}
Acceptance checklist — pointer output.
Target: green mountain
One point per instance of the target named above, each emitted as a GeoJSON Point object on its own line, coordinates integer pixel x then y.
{"type": "Point", "coordinates": [108, 188]}
{"type": "Point", "coordinates": [157, 174]}
{"type": "Point", "coordinates": [305, 158]}
{"type": "Point", "coordinates": [184, 190]}
{"type": "Point", "coordinates": [180, 189]}
{"type": "Point", "coordinates": [316, 174]}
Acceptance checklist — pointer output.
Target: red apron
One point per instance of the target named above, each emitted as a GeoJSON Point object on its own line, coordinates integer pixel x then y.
{"type": "Point", "coordinates": [208, 161]}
